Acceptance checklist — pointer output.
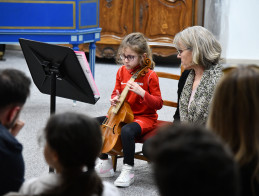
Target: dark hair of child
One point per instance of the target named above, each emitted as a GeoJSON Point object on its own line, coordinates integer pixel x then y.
{"type": "Point", "coordinates": [77, 141]}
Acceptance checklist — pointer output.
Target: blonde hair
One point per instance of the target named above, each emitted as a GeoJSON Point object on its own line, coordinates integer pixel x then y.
{"type": "Point", "coordinates": [206, 50]}
{"type": "Point", "coordinates": [138, 43]}
{"type": "Point", "coordinates": [235, 110]}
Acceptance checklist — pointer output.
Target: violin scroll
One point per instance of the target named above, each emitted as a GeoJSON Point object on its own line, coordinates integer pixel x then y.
{"type": "Point", "coordinates": [147, 62]}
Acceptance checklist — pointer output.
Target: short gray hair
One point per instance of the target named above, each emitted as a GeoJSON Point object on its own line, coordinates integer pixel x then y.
{"type": "Point", "coordinates": [206, 50]}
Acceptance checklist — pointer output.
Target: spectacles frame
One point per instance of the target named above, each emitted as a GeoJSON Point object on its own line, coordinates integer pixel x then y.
{"type": "Point", "coordinates": [129, 57]}
{"type": "Point", "coordinates": [181, 51]}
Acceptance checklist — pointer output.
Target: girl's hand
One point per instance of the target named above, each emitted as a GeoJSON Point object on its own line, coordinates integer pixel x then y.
{"type": "Point", "coordinates": [115, 99]}
{"type": "Point", "coordinates": [134, 87]}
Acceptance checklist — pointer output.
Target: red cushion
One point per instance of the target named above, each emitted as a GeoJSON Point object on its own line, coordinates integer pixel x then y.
{"type": "Point", "coordinates": [151, 133]}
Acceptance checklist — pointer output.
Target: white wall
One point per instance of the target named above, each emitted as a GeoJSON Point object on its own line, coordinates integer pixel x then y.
{"type": "Point", "coordinates": [238, 22]}
{"type": "Point", "coordinates": [243, 37]}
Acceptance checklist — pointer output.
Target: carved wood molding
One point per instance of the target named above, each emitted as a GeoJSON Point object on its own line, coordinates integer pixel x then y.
{"type": "Point", "coordinates": [173, 1]}
{"type": "Point", "coordinates": [159, 20]}
{"type": "Point", "coordinates": [109, 3]}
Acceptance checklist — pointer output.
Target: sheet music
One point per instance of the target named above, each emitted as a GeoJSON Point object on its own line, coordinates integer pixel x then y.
{"type": "Point", "coordinates": [87, 71]}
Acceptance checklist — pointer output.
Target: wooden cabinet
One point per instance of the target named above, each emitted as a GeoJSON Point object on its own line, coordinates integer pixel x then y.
{"type": "Point", "coordinates": [159, 20]}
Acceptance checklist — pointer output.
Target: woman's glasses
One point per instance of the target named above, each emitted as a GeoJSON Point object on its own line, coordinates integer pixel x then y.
{"type": "Point", "coordinates": [181, 51]}
{"type": "Point", "coordinates": [129, 57]}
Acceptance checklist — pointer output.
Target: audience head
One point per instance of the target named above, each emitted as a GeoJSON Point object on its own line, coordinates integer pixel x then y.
{"type": "Point", "coordinates": [235, 110]}
{"type": "Point", "coordinates": [192, 161]}
{"type": "Point", "coordinates": [14, 88]}
{"type": "Point", "coordinates": [138, 43]}
{"type": "Point", "coordinates": [206, 50]}
{"type": "Point", "coordinates": [73, 142]}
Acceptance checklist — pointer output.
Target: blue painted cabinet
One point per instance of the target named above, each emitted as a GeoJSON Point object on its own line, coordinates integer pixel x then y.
{"type": "Point", "coordinates": [52, 21]}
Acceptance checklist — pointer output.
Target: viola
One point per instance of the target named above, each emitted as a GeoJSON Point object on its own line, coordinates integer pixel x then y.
{"type": "Point", "coordinates": [118, 116]}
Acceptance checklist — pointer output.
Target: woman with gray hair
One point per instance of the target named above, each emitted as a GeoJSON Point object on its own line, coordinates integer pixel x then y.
{"type": "Point", "coordinates": [200, 53]}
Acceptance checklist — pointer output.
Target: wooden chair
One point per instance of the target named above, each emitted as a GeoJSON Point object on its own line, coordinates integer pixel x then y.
{"type": "Point", "coordinates": [139, 155]}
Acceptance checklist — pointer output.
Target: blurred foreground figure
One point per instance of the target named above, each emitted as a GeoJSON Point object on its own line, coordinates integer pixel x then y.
{"type": "Point", "coordinates": [191, 161]}
{"type": "Point", "coordinates": [234, 116]}
{"type": "Point", "coordinates": [14, 90]}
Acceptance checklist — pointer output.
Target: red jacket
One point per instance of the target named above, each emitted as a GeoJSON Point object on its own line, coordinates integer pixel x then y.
{"type": "Point", "coordinates": [144, 109]}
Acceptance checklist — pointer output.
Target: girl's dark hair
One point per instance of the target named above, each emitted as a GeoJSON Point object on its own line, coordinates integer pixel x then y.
{"type": "Point", "coordinates": [77, 140]}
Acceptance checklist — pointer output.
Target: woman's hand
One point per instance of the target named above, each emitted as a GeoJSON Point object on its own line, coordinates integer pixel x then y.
{"type": "Point", "coordinates": [115, 99]}
{"type": "Point", "coordinates": [134, 87]}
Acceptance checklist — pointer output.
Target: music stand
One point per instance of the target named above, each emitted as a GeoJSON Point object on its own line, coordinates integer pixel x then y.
{"type": "Point", "coordinates": [56, 71]}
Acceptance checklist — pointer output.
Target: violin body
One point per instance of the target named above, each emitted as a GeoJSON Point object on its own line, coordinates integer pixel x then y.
{"type": "Point", "coordinates": [111, 127]}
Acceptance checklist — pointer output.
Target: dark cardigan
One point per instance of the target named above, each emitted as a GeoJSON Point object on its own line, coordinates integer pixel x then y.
{"type": "Point", "coordinates": [181, 84]}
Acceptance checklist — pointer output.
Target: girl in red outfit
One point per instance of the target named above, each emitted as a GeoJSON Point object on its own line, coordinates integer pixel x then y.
{"type": "Point", "coordinates": [144, 98]}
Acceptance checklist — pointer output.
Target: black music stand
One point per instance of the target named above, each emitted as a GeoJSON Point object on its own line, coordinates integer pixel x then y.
{"type": "Point", "coordinates": [56, 71]}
